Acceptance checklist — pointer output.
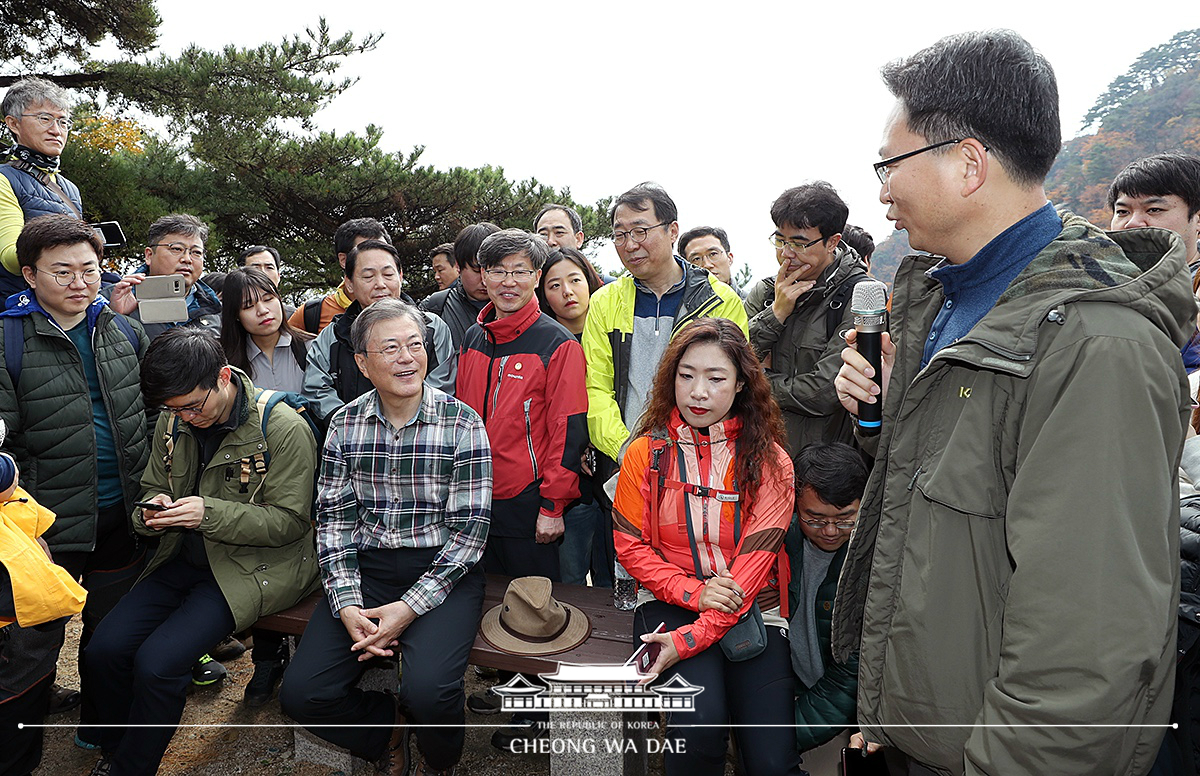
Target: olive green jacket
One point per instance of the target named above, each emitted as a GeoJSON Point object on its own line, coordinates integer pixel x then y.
{"type": "Point", "coordinates": [803, 360]}
{"type": "Point", "coordinates": [260, 542]}
{"type": "Point", "coordinates": [51, 430]}
{"type": "Point", "coordinates": [1016, 560]}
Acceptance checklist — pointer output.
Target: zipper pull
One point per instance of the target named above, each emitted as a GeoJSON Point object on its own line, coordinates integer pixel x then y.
{"type": "Point", "coordinates": [1056, 316]}
{"type": "Point", "coordinates": [913, 481]}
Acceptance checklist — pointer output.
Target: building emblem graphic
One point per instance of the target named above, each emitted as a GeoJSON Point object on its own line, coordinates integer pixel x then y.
{"type": "Point", "coordinates": [596, 688]}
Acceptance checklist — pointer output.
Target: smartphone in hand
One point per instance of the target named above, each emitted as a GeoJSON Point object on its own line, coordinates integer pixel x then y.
{"type": "Point", "coordinates": [855, 762]}
{"type": "Point", "coordinates": [149, 506]}
{"type": "Point", "coordinates": [647, 653]}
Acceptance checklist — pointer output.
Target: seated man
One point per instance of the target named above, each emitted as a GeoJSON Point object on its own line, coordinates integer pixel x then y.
{"type": "Point", "coordinates": [403, 508]}
{"type": "Point", "coordinates": [332, 377]}
{"type": "Point", "coordinates": [830, 479]}
{"type": "Point", "coordinates": [234, 540]}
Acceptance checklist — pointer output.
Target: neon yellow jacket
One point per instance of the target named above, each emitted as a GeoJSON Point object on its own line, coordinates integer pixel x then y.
{"type": "Point", "coordinates": [41, 590]}
{"type": "Point", "coordinates": [608, 339]}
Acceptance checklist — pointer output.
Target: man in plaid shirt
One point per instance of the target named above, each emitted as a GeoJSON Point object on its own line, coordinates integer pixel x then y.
{"type": "Point", "coordinates": [403, 512]}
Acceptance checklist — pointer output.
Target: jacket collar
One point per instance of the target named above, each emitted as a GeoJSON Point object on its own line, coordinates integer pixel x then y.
{"type": "Point", "coordinates": [508, 328]}
{"type": "Point", "coordinates": [25, 303]}
{"type": "Point", "coordinates": [725, 431]}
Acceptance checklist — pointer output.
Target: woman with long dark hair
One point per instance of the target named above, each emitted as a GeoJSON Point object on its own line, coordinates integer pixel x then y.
{"type": "Point", "coordinates": [257, 339]}
{"type": "Point", "coordinates": [568, 282]}
{"type": "Point", "coordinates": [703, 503]}
{"type": "Point", "coordinates": [255, 334]}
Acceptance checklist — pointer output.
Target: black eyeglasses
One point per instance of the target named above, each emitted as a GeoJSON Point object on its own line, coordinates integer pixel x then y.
{"type": "Point", "coordinates": [638, 234]}
{"type": "Point", "coordinates": [191, 409]}
{"type": "Point", "coordinates": [780, 243]}
{"type": "Point", "coordinates": [881, 168]}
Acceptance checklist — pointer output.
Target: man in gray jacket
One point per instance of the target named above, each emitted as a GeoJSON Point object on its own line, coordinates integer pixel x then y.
{"type": "Point", "coordinates": [1013, 578]}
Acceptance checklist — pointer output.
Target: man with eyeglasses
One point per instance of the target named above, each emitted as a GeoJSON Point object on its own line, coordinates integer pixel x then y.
{"type": "Point", "coordinates": [332, 376]}
{"type": "Point", "coordinates": [798, 318]}
{"type": "Point", "coordinates": [631, 320]}
{"type": "Point", "coordinates": [1012, 584]}
{"type": "Point", "coordinates": [232, 496]}
{"type": "Point", "coordinates": [70, 397]}
{"type": "Point", "coordinates": [523, 373]}
{"type": "Point", "coordinates": [707, 247]}
{"type": "Point", "coordinates": [176, 247]}
{"type": "Point", "coordinates": [37, 114]}
{"type": "Point", "coordinates": [830, 479]}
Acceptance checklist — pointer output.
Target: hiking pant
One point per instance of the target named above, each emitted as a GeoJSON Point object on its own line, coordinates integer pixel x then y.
{"type": "Point", "coordinates": [319, 685]}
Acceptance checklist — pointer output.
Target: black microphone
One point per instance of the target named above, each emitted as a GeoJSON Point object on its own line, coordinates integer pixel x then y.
{"type": "Point", "coordinates": [868, 305]}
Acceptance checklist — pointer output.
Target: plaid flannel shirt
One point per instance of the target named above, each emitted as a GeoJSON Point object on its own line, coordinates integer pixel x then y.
{"type": "Point", "coordinates": [428, 484]}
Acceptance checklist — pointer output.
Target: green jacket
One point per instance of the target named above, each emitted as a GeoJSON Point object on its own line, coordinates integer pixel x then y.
{"type": "Point", "coordinates": [608, 339]}
{"type": "Point", "coordinates": [803, 361]}
{"type": "Point", "coordinates": [260, 543]}
{"type": "Point", "coordinates": [826, 708]}
{"type": "Point", "coordinates": [51, 433]}
{"type": "Point", "coordinates": [1016, 559]}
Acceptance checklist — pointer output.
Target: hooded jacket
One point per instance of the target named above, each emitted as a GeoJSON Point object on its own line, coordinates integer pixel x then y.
{"type": "Point", "coordinates": [258, 538]}
{"type": "Point", "coordinates": [608, 341]}
{"type": "Point", "coordinates": [523, 374]}
{"type": "Point", "coordinates": [1016, 559]}
{"type": "Point", "coordinates": [50, 421]}
{"type": "Point", "coordinates": [668, 571]}
{"type": "Point", "coordinates": [803, 361]}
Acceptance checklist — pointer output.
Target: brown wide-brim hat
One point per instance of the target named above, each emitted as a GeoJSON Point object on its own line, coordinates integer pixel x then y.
{"type": "Point", "coordinates": [531, 621]}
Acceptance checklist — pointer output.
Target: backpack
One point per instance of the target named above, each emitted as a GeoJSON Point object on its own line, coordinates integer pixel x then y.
{"type": "Point", "coordinates": [312, 315]}
{"type": "Point", "coordinates": [266, 400]}
{"type": "Point", "coordinates": [14, 344]}
{"type": "Point", "coordinates": [837, 301]}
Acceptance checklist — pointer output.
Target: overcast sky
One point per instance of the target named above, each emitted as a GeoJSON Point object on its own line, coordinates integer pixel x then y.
{"type": "Point", "coordinates": [724, 104]}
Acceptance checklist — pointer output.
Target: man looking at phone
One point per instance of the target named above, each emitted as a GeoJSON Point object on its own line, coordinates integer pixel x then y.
{"type": "Point", "coordinates": [830, 479]}
{"type": "Point", "coordinates": [176, 247]}
{"type": "Point", "coordinates": [70, 397]}
{"type": "Point", "coordinates": [234, 540]}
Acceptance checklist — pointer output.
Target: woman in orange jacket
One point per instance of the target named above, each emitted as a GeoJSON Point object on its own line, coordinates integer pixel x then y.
{"type": "Point", "coordinates": [703, 503]}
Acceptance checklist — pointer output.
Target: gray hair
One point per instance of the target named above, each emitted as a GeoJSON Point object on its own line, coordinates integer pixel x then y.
{"type": "Point", "coordinates": [509, 242]}
{"type": "Point", "coordinates": [178, 223]}
{"type": "Point", "coordinates": [30, 90]}
{"type": "Point", "coordinates": [385, 310]}
{"type": "Point", "coordinates": [572, 215]}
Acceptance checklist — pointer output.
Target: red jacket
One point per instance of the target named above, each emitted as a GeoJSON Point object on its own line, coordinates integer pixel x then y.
{"type": "Point", "coordinates": [524, 375]}
{"type": "Point", "coordinates": [669, 570]}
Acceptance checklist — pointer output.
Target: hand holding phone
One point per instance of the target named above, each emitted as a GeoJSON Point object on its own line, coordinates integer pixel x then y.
{"type": "Point", "coordinates": [149, 506]}
{"type": "Point", "coordinates": [647, 654]}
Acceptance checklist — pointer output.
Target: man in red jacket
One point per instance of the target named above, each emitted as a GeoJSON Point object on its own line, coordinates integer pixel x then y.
{"type": "Point", "coordinates": [523, 373]}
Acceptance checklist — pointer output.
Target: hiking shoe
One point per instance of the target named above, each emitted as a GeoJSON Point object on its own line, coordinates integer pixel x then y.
{"type": "Point", "coordinates": [103, 767]}
{"type": "Point", "coordinates": [395, 760]}
{"type": "Point", "coordinates": [267, 674]}
{"type": "Point", "coordinates": [486, 672]}
{"type": "Point", "coordinates": [229, 649]}
{"type": "Point", "coordinates": [63, 699]}
{"type": "Point", "coordinates": [423, 769]}
{"type": "Point", "coordinates": [79, 742]}
{"type": "Point", "coordinates": [519, 730]}
{"type": "Point", "coordinates": [207, 672]}
{"type": "Point", "coordinates": [485, 702]}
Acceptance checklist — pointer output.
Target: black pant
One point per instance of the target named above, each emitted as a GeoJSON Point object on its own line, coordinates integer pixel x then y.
{"type": "Point", "coordinates": [107, 573]}
{"type": "Point", "coordinates": [758, 692]}
{"type": "Point", "coordinates": [140, 660]}
{"type": "Point", "coordinates": [319, 686]}
{"type": "Point", "coordinates": [21, 749]}
{"type": "Point", "coordinates": [511, 548]}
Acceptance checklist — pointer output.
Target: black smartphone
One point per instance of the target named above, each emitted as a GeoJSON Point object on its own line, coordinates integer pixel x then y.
{"type": "Point", "coordinates": [149, 506]}
{"type": "Point", "coordinates": [856, 763]}
{"type": "Point", "coordinates": [647, 654]}
{"type": "Point", "coordinates": [110, 232]}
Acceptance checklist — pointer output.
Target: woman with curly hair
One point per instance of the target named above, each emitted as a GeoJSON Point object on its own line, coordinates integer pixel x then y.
{"type": "Point", "coordinates": [703, 503]}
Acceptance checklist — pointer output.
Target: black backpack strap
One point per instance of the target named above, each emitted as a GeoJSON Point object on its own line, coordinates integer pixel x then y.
{"type": "Point", "coordinates": [312, 315]}
{"type": "Point", "coordinates": [14, 348]}
{"type": "Point", "coordinates": [127, 330]}
{"type": "Point", "coordinates": [837, 302]}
